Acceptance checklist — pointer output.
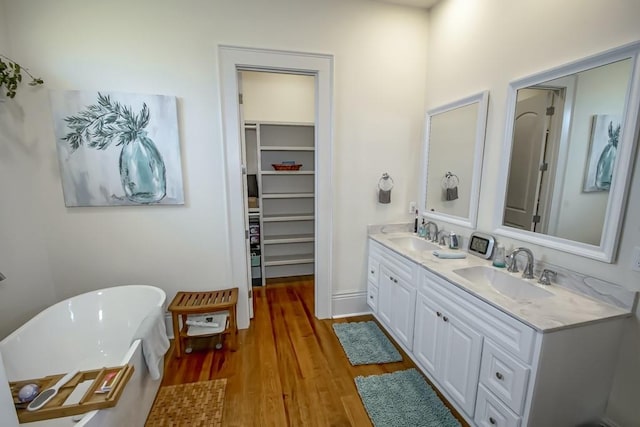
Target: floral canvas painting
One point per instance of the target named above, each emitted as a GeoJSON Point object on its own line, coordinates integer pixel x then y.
{"type": "Point", "coordinates": [605, 133]}
{"type": "Point", "coordinates": [117, 148]}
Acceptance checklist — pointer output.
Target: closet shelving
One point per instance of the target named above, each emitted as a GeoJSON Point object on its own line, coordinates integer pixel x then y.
{"type": "Point", "coordinates": [287, 199]}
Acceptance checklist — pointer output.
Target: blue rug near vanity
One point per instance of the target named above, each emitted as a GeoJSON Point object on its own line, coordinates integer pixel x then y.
{"type": "Point", "coordinates": [403, 399]}
{"type": "Point", "coordinates": [365, 344]}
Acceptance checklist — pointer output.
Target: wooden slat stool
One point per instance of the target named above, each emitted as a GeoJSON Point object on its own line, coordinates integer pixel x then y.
{"type": "Point", "coordinates": [186, 303]}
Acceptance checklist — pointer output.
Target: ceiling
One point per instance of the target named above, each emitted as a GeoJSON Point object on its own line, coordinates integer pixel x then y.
{"type": "Point", "coordinates": [424, 4]}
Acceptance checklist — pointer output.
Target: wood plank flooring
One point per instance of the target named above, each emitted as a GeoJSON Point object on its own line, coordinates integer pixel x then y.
{"type": "Point", "coordinates": [289, 369]}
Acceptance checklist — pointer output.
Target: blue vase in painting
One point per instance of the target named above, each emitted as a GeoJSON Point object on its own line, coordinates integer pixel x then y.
{"type": "Point", "coordinates": [142, 171]}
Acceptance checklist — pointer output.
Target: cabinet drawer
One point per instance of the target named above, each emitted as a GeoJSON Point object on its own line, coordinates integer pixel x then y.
{"type": "Point", "coordinates": [401, 266]}
{"type": "Point", "coordinates": [490, 412]}
{"type": "Point", "coordinates": [372, 296]}
{"type": "Point", "coordinates": [372, 270]}
{"type": "Point", "coordinates": [503, 329]}
{"type": "Point", "coordinates": [504, 376]}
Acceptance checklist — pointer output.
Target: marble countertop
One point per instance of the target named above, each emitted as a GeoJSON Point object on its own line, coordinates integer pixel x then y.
{"type": "Point", "coordinates": [563, 309]}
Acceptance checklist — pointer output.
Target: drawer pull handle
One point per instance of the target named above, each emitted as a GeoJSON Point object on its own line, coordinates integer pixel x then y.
{"type": "Point", "coordinates": [492, 420]}
{"type": "Point", "coordinates": [499, 375]}
{"type": "Point", "coordinates": [438, 314]}
{"type": "Point", "coordinates": [445, 318]}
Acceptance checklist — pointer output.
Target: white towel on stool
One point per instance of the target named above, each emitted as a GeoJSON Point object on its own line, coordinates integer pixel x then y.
{"type": "Point", "coordinates": [153, 334]}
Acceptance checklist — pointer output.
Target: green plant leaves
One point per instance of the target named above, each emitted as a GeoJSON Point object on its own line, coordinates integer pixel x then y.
{"type": "Point", "coordinates": [11, 76]}
{"type": "Point", "coordinates": [105, 122]}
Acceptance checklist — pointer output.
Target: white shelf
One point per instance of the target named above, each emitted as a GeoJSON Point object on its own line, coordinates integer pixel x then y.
{"type": "Point", "coordinates": [287, 172]}
{"type": "Point", "coordinates": [270, 261]}
{"type": "Point", "coordinates": [285, 148]}
{"type": "Point", "coordinates": [288, 196]}
{"type": "Point", "coordinates": [287, 238]}
{"type": "Point", "coordinates": [285, 234]}
{"type": "Point", "coordinates": [288, 217]}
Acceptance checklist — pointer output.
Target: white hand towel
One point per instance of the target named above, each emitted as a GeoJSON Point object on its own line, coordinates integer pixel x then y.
{"type": "Point", "coordinates": [450, 255]}
{"type": "Point", "coordinates": [155, 343]}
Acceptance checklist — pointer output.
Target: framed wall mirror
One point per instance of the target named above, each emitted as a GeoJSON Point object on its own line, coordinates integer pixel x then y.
{"type": "Point", "coordinates": [569, 147]}
{"type": "Point", "coordinates": [452, 160]}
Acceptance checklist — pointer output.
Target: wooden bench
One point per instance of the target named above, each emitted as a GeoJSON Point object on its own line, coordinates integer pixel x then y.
{"type": "Point", "coordinates": [186, 303]}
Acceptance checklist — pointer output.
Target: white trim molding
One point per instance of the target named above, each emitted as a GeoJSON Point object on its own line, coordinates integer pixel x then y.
{"type": "Point", "coordinates": [347, 304]}
{"type": "Point", "coordinates": [231, 60]}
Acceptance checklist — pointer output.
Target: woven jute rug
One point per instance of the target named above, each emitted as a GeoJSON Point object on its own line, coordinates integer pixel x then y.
{"type": "Point", "coordinates": [189, 405]}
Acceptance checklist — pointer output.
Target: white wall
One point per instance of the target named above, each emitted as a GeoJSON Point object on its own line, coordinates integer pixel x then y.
{"type": "Point", "coordinates": [23, 258]}
{"type": "Point", "coordinates": [512, 40]}
{"type": "Point", "coordinates": [167, 47]}
{"type": "Point", "coordinates": [268, 97]}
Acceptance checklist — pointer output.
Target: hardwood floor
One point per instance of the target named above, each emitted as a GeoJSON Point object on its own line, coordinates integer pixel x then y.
{"type": "Point", "coordinates": [289, 369]}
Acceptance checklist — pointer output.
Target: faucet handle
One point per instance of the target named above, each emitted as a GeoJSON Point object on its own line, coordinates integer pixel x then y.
{"type": "Point", "coordinates": [546, 276]}
{"type": "Point", "coordinates": [512, 265]}
{"type": "Point", "coordinates": [442, 236]}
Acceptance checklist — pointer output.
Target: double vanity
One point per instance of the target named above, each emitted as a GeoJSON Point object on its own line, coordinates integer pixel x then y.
{"type": "Point", "coordinates": [503, 350]}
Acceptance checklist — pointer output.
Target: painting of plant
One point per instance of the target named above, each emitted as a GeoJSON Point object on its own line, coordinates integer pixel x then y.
{"type": "Point", "coordinates": [605, 133]}
{"type": "Point", "coordinates": [117, 149]}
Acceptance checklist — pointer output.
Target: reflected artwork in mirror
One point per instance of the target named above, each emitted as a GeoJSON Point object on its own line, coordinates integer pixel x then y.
{"type": "Point", "coordinates": [570, 140]}
{"type": "Point", "coordinates": [452, 163]}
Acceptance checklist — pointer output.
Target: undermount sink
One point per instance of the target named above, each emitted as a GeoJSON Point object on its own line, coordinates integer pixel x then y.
{"type": "Point", "coordinates": [506, 284]}
{"type": "Point", "coordinates": [414, 244]}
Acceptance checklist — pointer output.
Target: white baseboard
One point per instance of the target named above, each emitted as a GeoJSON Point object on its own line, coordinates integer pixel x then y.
{"type": "Point", "coordinates": [347, 304]}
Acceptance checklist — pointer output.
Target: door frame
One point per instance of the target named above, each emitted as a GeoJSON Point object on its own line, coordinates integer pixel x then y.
{"type": "Point", "coordinates": [231, 60]}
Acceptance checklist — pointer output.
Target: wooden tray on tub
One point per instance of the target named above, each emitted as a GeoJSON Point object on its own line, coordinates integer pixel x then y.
{"type": "Point", "coordinates": [90, 401]}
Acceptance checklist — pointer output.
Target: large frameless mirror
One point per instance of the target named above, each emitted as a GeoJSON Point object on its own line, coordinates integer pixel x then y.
{"type": "Point", "coordinates": [569, 145]}
{"type": "Point", "coordinates": [452, 160]}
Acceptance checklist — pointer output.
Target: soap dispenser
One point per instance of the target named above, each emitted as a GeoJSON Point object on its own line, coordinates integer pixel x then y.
{"type": "Point", "coordinates": [422, 229]}
{"type": "Point", "coordinates": [499, 257]}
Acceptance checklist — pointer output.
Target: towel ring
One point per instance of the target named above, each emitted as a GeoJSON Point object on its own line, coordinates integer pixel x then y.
{"type": "Point", "coordinates": [450, 180]}
{"type": "Point", "coordinates": [386, 182]}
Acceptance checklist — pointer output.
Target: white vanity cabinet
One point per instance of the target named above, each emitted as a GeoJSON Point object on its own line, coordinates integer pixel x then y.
{"type": "Point", "coordinates": [395, 292]}
{"type": "Point", "coordinates": [449, 349]}
{"type": "Point", "coordinates": [495, 369]}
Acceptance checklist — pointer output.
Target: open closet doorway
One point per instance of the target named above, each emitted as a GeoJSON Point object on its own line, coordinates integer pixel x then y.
{"type": "Point", "coordinates": [234, 62]}
{"type": "Point", "coordinates": [277, 112]}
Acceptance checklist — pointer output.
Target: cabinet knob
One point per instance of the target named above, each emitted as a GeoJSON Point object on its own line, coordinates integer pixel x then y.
{"type": "Point", "coordinates": [445, 318]}
{"type": "Point", "coordinates": [492, 420]}
{"type": "Point", "coordinates": [372, 271]}
{"type": "Point", "coordinates": [395, 280]}
{"type": "Point", "coordinates": [499, 375]}
{"type": "Point", "coordinates": [438, 314]}
{"type": "Point", "coordinates": [370, 296]}
{"type": "Point", "coordinates": [391, 277]}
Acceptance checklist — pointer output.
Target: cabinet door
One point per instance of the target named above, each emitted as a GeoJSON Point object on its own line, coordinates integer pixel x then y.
{"type": "Point", "coordinates": [385, 295]}
{"type": "Point", "coordinates": [404, 310]}
{"type": "Point", "coordinates": [460, 365]}
{"type": "Point", "coordinates": [428, 327]}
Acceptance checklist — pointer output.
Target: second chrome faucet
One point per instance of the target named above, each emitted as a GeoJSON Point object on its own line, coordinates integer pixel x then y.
{"type": "Point", "coordinates": [513, 265]}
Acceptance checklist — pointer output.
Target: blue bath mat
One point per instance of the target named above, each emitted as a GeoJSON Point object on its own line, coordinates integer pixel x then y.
{"type": "Point", "coordinates": [364, 343]}
{"type": "Point", "coordinates": [403, 399]}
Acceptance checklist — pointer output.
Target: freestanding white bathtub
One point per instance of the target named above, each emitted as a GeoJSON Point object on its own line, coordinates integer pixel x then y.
{"type": "Point", "coordinates": [89, 331]}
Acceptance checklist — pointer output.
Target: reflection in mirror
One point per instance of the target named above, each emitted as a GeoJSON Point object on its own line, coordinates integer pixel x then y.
{"type": "Point", "coordinates": [453, 160]}
{"type": "Point", "coordinates": [571, 134]}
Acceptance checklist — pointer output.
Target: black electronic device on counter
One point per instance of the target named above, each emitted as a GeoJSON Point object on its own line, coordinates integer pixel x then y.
{"type": "Point", "coordinates": [481, 245]}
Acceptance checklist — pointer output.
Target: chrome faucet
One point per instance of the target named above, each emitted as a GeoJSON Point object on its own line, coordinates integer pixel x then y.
{"type": "Point", "coordinates": [513, 266]}
{"type": "Point", "coordinates": [428, 227]}
{"type": "Point", "coordinates": [442, 238]}
{"type": "Point", "coordinates": [546, 276]}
